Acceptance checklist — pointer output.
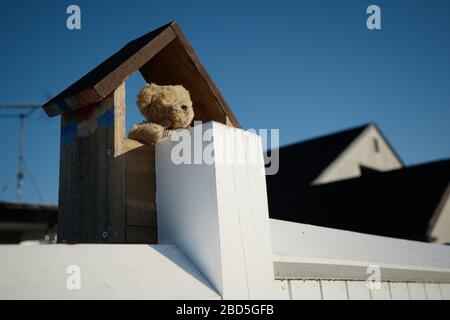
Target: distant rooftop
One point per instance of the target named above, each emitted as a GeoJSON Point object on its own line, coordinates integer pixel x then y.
{"type": "Point", "coordinates": [306, 160]}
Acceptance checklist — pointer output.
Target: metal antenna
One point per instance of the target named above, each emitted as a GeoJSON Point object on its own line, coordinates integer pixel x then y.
{"type": "Point", "coordinates": [20, 176]}
{"type": "Point", "coordinates": [20, 169]}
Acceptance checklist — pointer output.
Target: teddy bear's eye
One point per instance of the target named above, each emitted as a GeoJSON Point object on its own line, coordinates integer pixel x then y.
{"type": "Point", "coordinates": [184, 108]}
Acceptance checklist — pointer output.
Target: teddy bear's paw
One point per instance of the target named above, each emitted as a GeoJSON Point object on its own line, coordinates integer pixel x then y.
{"type": "Point", "coordinates": [148, 133]}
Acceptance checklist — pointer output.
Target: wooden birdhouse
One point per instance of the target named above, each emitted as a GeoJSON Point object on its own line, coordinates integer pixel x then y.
{"type": "Point", "coordinates": [107, 182]}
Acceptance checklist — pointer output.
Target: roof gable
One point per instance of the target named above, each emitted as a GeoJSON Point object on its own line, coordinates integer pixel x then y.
{"type": "Point", "coordinates": [306, 160]}
{"type": "Point", "coordinates": [370, 149]}
{"type": "Point", "coordinates": [163, 56]}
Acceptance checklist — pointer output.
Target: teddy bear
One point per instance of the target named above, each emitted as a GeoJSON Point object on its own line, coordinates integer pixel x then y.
{"type": "Point", "coordinates": [165, 108]}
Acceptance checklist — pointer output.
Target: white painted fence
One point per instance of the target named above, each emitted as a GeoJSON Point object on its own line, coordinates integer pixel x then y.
{"type": "Point", "coordinates": [105, 272]}
{"type": "Point", "coordinates": [321, 263]}
{"type": "Point", "coordinates": [220, 243]}
{"type": "Point", "coordinates": [357, 290]}
{"type": "Point", "coordinates": [217, 212]}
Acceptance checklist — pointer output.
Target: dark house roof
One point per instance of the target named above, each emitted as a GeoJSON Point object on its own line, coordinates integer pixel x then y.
{"type": "Point", "coordinates": [163, 56]}
{"type": "Point", "coordinates": [398, 203]}
{"type": "Point", "coordinates": [306, 160]}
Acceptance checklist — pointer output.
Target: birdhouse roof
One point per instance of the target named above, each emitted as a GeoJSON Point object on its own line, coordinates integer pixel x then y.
{"type": "Point", "coordinates": [163, 56]}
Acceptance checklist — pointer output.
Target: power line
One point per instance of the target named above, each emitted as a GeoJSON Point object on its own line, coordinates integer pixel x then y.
{"type": "Point", "coordinates": [9, 116]}
{"type": "Point", "coordinates": [19, 106]}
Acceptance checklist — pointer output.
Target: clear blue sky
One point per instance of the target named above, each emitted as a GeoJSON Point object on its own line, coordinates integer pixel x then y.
{"type": "Point", "coordinates": [305, 67]}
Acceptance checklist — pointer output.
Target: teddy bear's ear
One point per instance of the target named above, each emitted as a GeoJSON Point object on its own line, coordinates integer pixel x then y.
{"type": "Point", "coordinates": [146, 95]}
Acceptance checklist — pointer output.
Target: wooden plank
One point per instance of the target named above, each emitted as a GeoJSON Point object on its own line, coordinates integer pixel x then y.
{"type": "Point", "coordinates": [358, 290]}
{"type": "Point", "coordinates": [281, 290]}
{"type": "Point", "coordinates": [135, 62]}
{"type": "Point", "coordinates": [433, 291]}
{"type": "Point", "coordinates": [334, 290]}
{"type": "Point", "coordinates": [305, 290]}
{"type": "Point", "coordinates": [399, 290]}
{"type": "Point", "coordinates": [107, 76]}
{"type": "Point", "coordinates": [228, 121]}
{"type": "Point", "coordinates": [140, 234]}
{"type": "Point", "coordinates": [173, 66]}
{"type": "Point", "coordinates": [117, 174]}
{"type": "Point", "coordinates": [417, 291]}
{"type": "Point", "coordinates": [92, 173]}
{"type": "Point", "coordinates": [202, 70]}
{"type": "Point", "coordinates": [141, 184]}
{"type": "Point", "coordinates": [382, 293]}
{"type": "Point", "coordinates": [445, 290]}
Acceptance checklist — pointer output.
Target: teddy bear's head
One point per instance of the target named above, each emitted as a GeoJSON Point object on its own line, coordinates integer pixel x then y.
{"type": "Point", "coordinates": [169, 106]}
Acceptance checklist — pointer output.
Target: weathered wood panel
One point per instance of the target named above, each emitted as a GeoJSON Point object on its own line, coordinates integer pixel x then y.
{"type": "Point", "coordinates": [92, 173]}
{"type": "Point", "coordinates": [107, 76]}
{"type": "Point", "coordinates": [177, 63]}
{"type": "Point", "coordinates": [141, 192]}
{"type": "Point", "coordinates": [140, 234]}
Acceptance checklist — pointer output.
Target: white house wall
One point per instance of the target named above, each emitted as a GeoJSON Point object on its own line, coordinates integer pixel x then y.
{"type": "Point", "coordinates": [361, 152]}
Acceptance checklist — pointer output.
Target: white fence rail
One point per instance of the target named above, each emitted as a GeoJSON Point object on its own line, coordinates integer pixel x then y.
{"type": "Point", "coordinates": [320, 263]}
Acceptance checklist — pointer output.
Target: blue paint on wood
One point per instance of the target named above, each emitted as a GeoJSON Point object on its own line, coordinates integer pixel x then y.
{"type": "Point", "coordinates": [106, 120]}
{"type": "Point", "coordinates": [68, 133]}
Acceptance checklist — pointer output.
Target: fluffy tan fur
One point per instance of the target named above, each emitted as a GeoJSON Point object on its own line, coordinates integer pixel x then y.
{"type": "Point", "coordinates": [164, 108]}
